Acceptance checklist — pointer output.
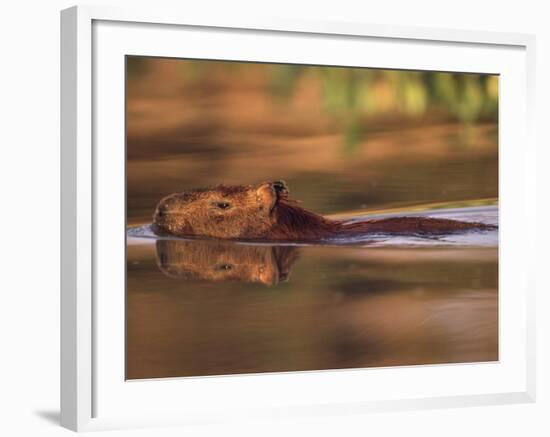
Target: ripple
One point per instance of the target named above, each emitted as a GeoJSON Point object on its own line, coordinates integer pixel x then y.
{"type": "Point", "coordinates": [472, 238]}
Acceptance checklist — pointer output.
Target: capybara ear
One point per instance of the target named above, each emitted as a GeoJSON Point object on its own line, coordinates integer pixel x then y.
{"type": "Point", "coordinates": [281, 187]}
{"type": "Point", "coordinates": [267, 195]}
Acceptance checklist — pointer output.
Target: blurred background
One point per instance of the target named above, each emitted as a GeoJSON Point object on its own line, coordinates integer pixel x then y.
{"type": "Point", "coordinates": [343, 138]}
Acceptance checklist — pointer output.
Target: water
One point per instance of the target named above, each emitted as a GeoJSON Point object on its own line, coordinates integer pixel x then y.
{"type": "Point", "coordinates": [205, 307]}
{"type": "Point", "coordinates": [208, 308]}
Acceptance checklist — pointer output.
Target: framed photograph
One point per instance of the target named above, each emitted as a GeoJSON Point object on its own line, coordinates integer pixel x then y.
{"type": "Point", "coordinates": [271, 218]}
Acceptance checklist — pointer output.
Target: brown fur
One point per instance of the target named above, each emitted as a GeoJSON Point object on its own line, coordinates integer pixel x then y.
{"type": "Point", "coordinates": [222, 261]}
{"type": "Point", "coordinates": [265, 212]}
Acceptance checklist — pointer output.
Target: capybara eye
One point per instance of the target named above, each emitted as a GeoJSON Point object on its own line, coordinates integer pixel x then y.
{"type": "Point", "coordinates": [222, 205]}
{"type": "Point", "coordinates": [226, 267]}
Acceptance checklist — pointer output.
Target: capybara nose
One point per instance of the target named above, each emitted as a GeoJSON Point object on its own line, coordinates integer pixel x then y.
{"type": "Point", "coordinates": [161, 209]}
{"type": "Point", "coordinates": [166, 206]}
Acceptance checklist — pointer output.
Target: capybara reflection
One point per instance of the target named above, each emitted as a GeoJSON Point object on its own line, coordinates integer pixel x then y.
{"type": "Point", "coordinates": [219, 261]}
{"type": "Point", "coordinates": [265, 212]}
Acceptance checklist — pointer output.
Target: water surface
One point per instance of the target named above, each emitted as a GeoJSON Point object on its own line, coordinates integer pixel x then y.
{"type": "Point", "coordinates": [206, 307]}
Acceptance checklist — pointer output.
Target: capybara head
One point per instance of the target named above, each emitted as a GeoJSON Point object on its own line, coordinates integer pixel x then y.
{"type": "Point", "coordinates": [225, 212]}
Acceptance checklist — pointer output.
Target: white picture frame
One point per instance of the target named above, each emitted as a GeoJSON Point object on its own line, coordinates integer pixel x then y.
{"type": "Point", "coordinates": [93, 396]}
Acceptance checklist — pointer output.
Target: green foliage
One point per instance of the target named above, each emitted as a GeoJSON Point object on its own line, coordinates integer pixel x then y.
{"type": "Point", "coordinates": [284, 78]}
{"type": "Point", "coordinates": [353, 134]}
{"type": "Point", "coordinates": [353, 94]}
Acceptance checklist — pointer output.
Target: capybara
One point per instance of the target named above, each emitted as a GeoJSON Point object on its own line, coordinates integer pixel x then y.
{"type": "Point", "coordinates": [265, 212]}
